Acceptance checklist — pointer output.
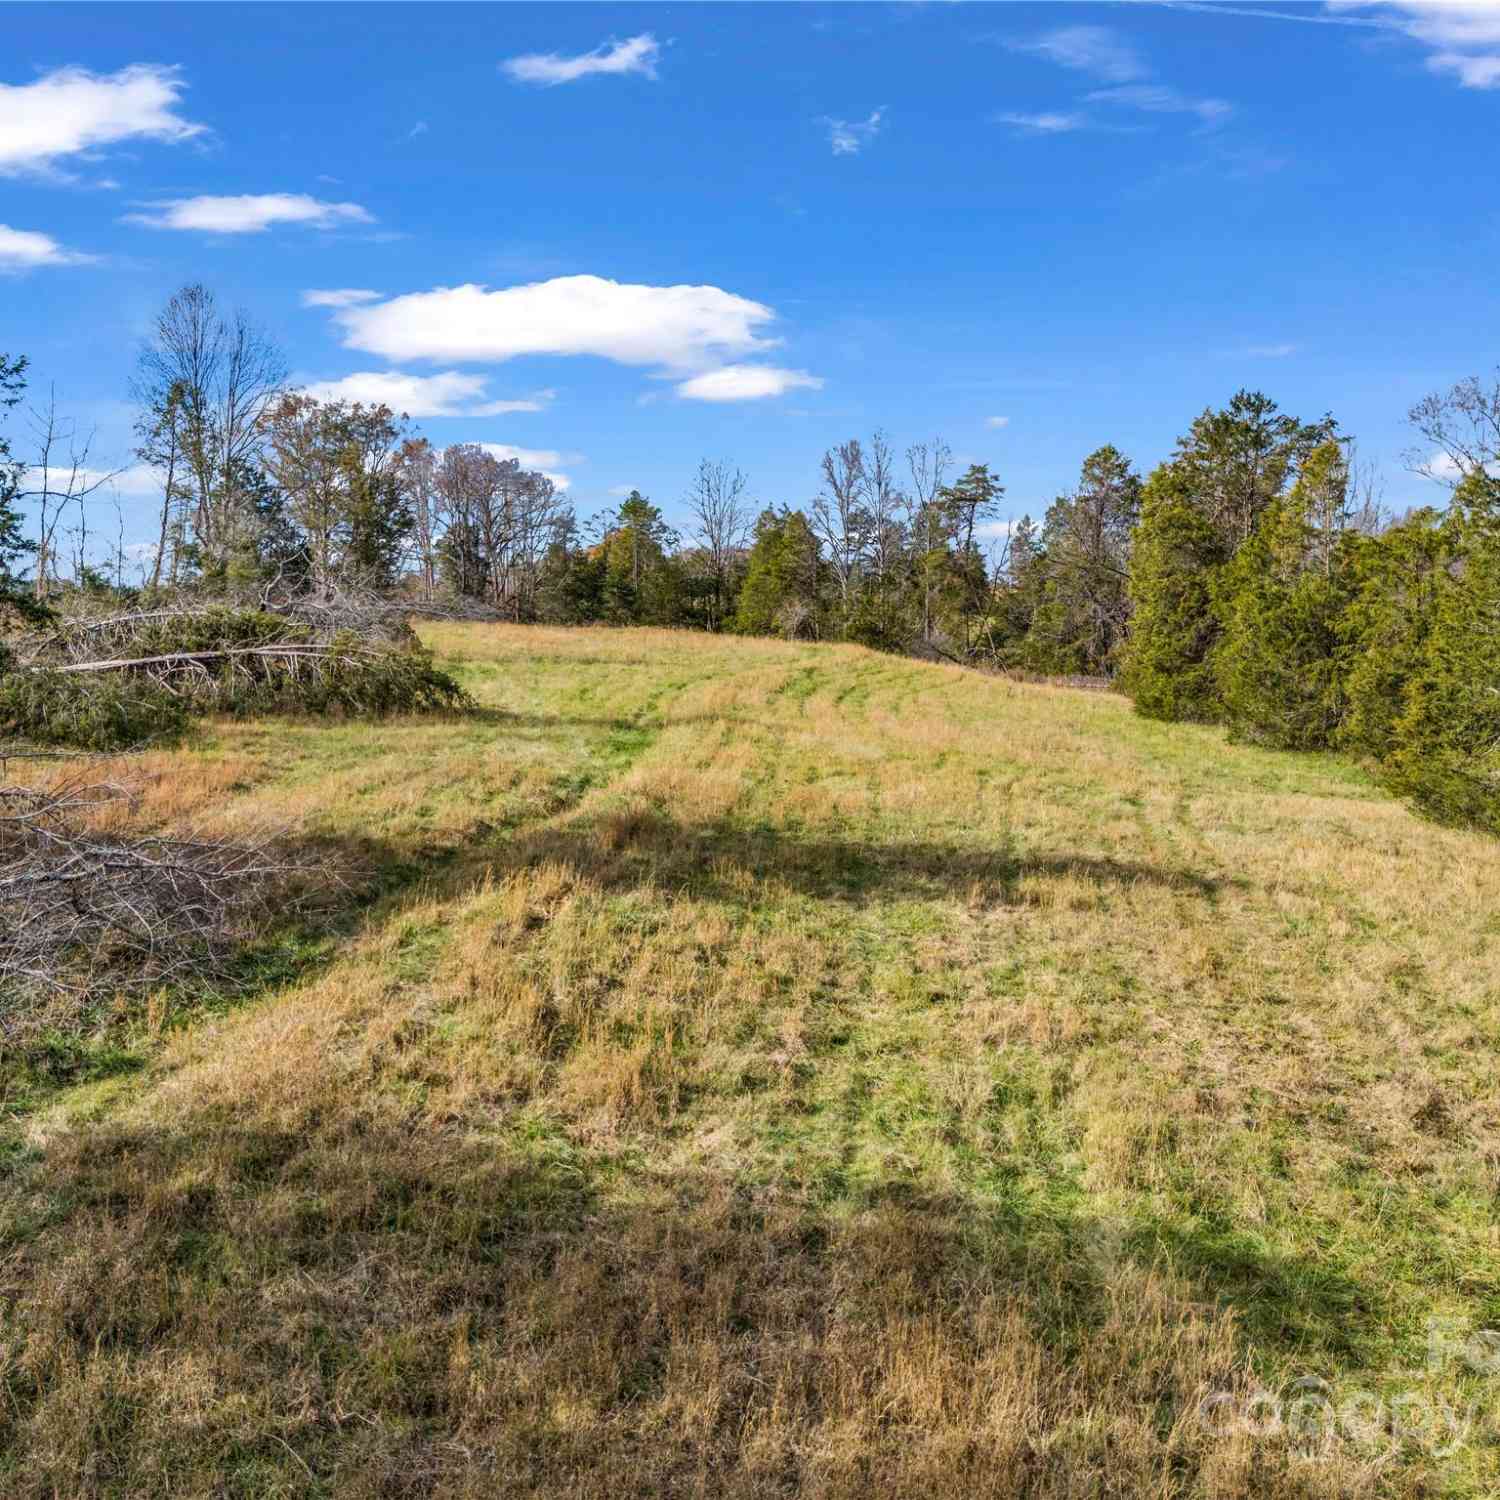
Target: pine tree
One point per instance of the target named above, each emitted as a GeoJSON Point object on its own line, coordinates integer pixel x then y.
{"type": "Point", "coordinates": [640, 579]}
{"type": "Point", "coordinates": [972, 500]}
{"type": "Point", "coordinates": [1081, 605]}
{"type": "Point", "coordinates": [1176, 554]}
{"type": "Point", "coordinates": [1282, 598]}
{"type": "Point", "coordinates": [1447, 741]}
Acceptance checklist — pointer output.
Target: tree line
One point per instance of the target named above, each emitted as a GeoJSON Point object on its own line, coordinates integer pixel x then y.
{"type": "Point", "coordinates": [1251, 579]}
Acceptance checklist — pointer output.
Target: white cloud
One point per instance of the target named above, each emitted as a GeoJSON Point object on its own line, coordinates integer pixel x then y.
{"type": "Point", "coordinates": [248, 213]}
{"type": "Point", "coordinates": [1443, 466]}
{"type": "Point", "coordinates": [1090, 49]}
{"type": "Point", "coordinates": [1270, 351]}
{"type": "Point", "coordinates": [1481, 72]}
{"type": "Point", "coordinates": [850, 137]}
{"type": "Point", "coordinates": [344, 296]}
{"type": "Point", "coordinates": [997, 422]}
{"type": "Point", "coordinates": [72, 110]}
{"type": "Point", "coordinates": [26, 249]}
{"type": "Point", "coordinates": [447, 394]}
{"type": "Point", "coordinates": [680, 327]}
{"type": "Point", "coordinates": [134, 480]}
{"type": "Point", "coordinates": [1464, 35]}
{"type": "Point", "coordinates": [636, 54]}
{"type": "Point", "coordinates": [994, 530]}
{"type": "Point", "coordinates": [544, 459]}
{"type": "Point", "coordinates": [1048, 122]}
{"type": "Point", "coordinates": [746, 383]}
{"type": "Point", "coordinates": [1158, 99]}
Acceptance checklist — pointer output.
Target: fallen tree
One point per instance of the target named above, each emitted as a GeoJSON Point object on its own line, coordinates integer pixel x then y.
{"type": "Point", "coordinates": [123, 679]}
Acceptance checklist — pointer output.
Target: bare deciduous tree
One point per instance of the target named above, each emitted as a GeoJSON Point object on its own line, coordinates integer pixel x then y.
{"type": "Point", "coordinates": [927, 520]}
{"type": "Point", "coordinates": [418, 463]}
{"type": "Point", "coordinates": [335, 463]}
{"type": "Point", "coordinates": [160, 445]}
{"type": "Point", "coordinates": [884, 504]}
{"type": "Point", "coordinates": [1463, 425]}
{"type": "Point", "coordinates": [211, 378]}
{"type": "Point", "coordinates": [59, 483]}
{"type": "Point", "coordinates": [537, 514]}
{"type": "Point", "coordinates": [497, 520]}
{"type": "Point", "coordinates": [722, 516]}
{"type": "Point", "coordinates": [838, 514]}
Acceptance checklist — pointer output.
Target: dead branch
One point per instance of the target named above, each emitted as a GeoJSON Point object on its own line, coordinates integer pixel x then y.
{"type": "Point", "coordinates": [85, 913]}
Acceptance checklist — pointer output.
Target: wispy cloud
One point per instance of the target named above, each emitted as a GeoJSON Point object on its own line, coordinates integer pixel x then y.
{"type": "Point", "coordinates": [27, 249]}
{"type": "Point", "coordinates": [1108, 57]}
{"type": "Point", "coordinates": [1095, 50]}
{"type": "Point", "coordinates": [1159, 99]}
{"type": "Point", "coordinates": [1270, 351]}
{"type": "Point", "coordinates": [637, 54]}
{"type": "Point", "coordinates": [995, 423]}
{"type": "Point", "coordinates": [1046, 122]}
{"type": "Point", "coordinates": [850, 137]}
{"type": "Point", "coordinates": [72, 110]}
{"type": "Point", "coordinates": [248, 213]}
{"type": "Point", "coordinates": [420, 128]}
{"type": "Point", "coordinates": [343, 296]}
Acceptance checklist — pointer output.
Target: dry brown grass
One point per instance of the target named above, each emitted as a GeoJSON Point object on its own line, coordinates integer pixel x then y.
{"type": "Point", "coordinates": [780, 1070]}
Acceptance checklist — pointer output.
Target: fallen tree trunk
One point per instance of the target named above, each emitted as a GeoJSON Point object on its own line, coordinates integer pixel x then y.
{"type": "Point", "coordinates": [309, 650]}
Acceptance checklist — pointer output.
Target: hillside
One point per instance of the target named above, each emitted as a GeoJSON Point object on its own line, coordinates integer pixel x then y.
{"type": "Point", "coordinates": [767, 1069]}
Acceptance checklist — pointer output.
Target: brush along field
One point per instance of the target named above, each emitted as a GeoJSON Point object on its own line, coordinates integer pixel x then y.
{"type": "Point", "coordinates": [767, 1070]}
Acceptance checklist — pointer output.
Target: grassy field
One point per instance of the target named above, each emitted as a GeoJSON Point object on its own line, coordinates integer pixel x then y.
{"type": "Point", "coordinates": [759, 1070]}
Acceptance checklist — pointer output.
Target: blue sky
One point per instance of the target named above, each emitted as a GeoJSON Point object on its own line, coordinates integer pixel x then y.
{"type": "Point", "coordinates": [621, 238]}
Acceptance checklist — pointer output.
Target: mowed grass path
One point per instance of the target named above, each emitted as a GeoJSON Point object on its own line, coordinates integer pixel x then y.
{"type": "Point", "coordinates": [766, 1070]}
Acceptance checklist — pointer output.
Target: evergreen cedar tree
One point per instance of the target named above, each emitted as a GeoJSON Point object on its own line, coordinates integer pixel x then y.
{"type": "Point", "coordinates": [781, 576]}
{"type": "Point", "coordinates": [1176, 559]}
{"type": "Point", "coordinates": [1446, 743]}
{"type": "Point", "coordinates": [1278, 666]}
{"type": "Point", "coordinates": [1261, 599]}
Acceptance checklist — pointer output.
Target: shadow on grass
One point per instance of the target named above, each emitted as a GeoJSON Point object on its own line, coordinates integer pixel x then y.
{"type": "Point", "coordinates": [504, 718]}
{"type": "Point", "coordinates": [726, 860]}
{"type": "Point", "coordinates": [380, 1307]}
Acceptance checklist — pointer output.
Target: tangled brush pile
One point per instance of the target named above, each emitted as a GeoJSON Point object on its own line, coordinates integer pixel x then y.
{"type": "Point", "coordinates": [119, 680]}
